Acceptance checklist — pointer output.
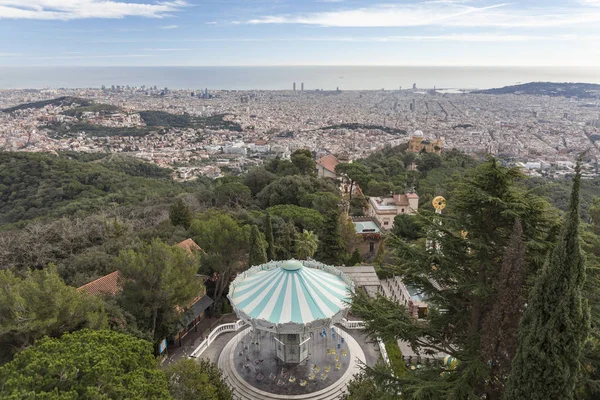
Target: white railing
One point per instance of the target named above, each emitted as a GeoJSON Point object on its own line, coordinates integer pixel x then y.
{"type": "Point", "coordinates": [352, 324]}
{"type": "Point", "coordinates": [231, 327]}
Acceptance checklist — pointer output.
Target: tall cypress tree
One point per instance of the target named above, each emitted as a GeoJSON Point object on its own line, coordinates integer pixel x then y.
{"type": "Point", "coordinates": [271, 251]}
{"type": "Point", "coordinates": [556, 322]}
{"type": "Point", "coordinates": [499, 345]}
{"type": "Point", "coordinates": [258, 255]}
{"type": "Point", "coordinates": [332, 248]}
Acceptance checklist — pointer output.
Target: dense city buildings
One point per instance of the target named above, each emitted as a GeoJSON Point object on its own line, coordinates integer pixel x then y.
{"type": "Point", "coordinates": [213, 132]}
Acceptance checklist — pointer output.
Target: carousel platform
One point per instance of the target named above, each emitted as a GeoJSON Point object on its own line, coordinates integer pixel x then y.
{"type": "Point", "coordinates": [254, 372]}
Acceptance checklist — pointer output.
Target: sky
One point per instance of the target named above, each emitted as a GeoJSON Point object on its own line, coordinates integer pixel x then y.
{"type": "Point", "coordinates": [299, 32]}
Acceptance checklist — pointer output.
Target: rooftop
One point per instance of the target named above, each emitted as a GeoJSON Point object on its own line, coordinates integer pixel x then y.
{"type": "Point", "coordinates": [328, 162]}
{"type": "Point", "coordinates": [107, 284]}
{"type": "Point", "coordinates": [366, 227]}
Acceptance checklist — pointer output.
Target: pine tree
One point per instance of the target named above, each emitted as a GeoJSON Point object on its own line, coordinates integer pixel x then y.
{"type": "Point", "coordinates": [180, 214]}
{"type": "Point", "coordinates": [271, 253]}
{"type": "Point", "coordinates": [499, 346]}
{"type": "Point", "coordinates": [332, 248]}
{"type": "Point", "coordinates": [556, 322]}
{"type": "Point", "coordinates": [258, 255]}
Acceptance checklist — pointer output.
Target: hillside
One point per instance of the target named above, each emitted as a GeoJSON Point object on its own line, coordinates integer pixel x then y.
{"type": "Point", "coordinates": [36, 185]}
{"type": "Point", "coordinates": [59, 101]}
{"type": "Point", "coordinates": [580, 90]}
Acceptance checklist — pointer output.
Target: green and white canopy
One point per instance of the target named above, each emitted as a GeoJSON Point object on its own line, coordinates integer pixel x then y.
{"type": "Point", "coordinates": [291, 296]}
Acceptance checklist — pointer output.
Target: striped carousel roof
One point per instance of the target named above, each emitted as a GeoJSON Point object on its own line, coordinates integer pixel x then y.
{"type": "Point", "coordinates": [291, 292]}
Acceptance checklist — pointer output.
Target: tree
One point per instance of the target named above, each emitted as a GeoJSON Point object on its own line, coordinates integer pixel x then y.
{"type": "Point", "coordinates": [354, 258]}
{"type": "Point", "coordinates": [258, 178]}
{"type": "Point", "coordinates": [332, 248]}
{"type": "Point", "coordinates": [301, 217]}
{"type": "Point", "coordinates": [407, 227]}
{"type": "Point", "coordinates": [233, 194]}
{"type": "Point", "coordinates": [556, 322]}
{"type": "Point", "coordinates": [500, 346]}
{"type": "Point", "coordinates": [429, 161]}
{"type": "Point", "coordinates": [355, 172]}
{"type": "Point", "coordinates": [157, 279]}
{"type": "Point", "coordinates": [40, 304]}
{"type": "Point", "coordinates": [196, 380]}
{"type": "Point", "coordinates": [85, 365]}
{"type": "Point", "coordinates": [305, 244]}
{"type": "Point", "coordinates": [225, 243]}
{"type": "Point", "coordinates": [285, 242]}
{"type": "Point", "coordinates": [271, 251]}
{"type": "Point", "coordinates": [292, 189]}
{"type": "Point", "coordinates": [303, 160]}
{"type": "Point", "coordinates": [180, 214]}
{"type": "Point", "coordinates": [258, 255]}
{"type": "Point", "coordinates": [458, 279]}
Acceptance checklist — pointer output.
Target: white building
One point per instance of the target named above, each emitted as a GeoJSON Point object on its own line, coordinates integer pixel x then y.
{"type": "Point", "coordinates": [385, 209]}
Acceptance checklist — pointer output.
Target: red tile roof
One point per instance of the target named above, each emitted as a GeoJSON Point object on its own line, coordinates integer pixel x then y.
{"type": "Point", "coordinates": [108, 284]}
{"type": "Point", "coordinates": [189, 245]}
{"type": "Point", "coordinates": [328, 162]}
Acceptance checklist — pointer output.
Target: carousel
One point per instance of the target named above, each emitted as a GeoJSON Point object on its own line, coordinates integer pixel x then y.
{"type": "Point", "coordinates": [293, 345]}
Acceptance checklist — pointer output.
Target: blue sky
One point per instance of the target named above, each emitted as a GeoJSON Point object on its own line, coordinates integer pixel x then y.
{"type": "Point", "coordinates": [299, 32]}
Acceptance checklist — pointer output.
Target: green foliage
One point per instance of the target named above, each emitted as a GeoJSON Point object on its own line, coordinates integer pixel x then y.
{"type": "Point", "coordinates": [233, 195]}
{"type": "Point", "coordinates": [156, 280]}
{"type": "Point", "coordinates": [162, 118]}
{"type": "Point", "coordinates": [225, 243]}
{"type": "Point", "coordinates": [303, 160]}
{"type": "Point", "coordinates": [271, 250]}
{"type": "Point", "coordinates": [556, 322]}
{"type": "Point", "coordinates": [407, 227]}
{"type": "Point", "coordinates": [321, 201]}
{"type": "Point", "coordinates": [180, 214]}
{"type": "Point", "coordinates": [85, 365]}
{"type": "Point", "coordinates": [485, 204]}
{"type": "Point", "coordinates": [165, 119]}
{"type": "Point", "coordinates": [331, 250]}
{"type": "Point", "coordinates": [40, 304]}
{"type": "Point", "coordinates": [258, 178]}
{"type": "Point", "coordinates": [291, 189]}
{"type": "Point", "coordinates": [373, 386]}
{"type": "Point", "coordinates": [305, 244]}
{"type": "Point", "coordinates": [301, 217]}
{"type": "Point", "coordinates": [63, 101]}
{"type": "Point", "coordinates": [196, 380]}
{"type": "Point", "coordinates": [354, 258]}
{"type": "Point", "coordinates": [285, 243]}
{"type": "Point", "coordinates": [258, 254]}
{"type": "Point", "coordinates": [395, 355]}
{"type": "Point", "coordinates": [356, 173]}
{"type": "Point", "coordinates": [40, 185]}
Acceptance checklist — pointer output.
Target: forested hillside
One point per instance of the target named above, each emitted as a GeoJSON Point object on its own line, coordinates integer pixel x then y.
{"type": "Point", "coordinates": [41, 185]}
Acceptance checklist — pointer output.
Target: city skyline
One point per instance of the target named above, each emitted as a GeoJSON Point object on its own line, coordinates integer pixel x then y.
{"type": "Point", "coordinates": [324, 32]}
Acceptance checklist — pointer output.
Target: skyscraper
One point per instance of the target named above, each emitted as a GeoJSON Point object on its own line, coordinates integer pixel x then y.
{"type": "Point", "coordinates": [302, 87]}
{"type": "Point", "coordinates": [294, 86]}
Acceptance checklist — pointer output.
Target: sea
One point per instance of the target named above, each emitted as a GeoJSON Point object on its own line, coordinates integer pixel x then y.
{"type": "Point", "coordinates": [283, 78]}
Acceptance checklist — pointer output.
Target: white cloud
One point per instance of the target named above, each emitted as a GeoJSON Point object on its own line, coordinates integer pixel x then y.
{"type": "Point", "coordinates": [169, 27]}
{"type": "Point", "coordinates": [80, 9]}
{"type": "Point", "coordinates": [440, 12]}
{"type": "Point", "coordinates": [594, 3]}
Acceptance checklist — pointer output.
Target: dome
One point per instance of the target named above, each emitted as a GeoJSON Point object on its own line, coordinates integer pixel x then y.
{"type": "Point", "coordinates": [291, 295]}
{"type": "Point", "coordinates": [418, 133]}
